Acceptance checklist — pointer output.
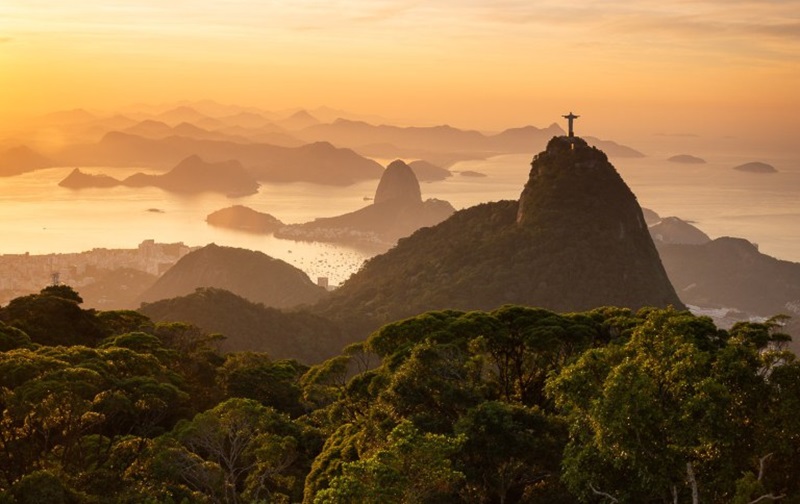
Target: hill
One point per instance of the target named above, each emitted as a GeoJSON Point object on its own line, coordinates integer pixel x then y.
{"type": "Point", "coordinates": [428, 172]}
{"type": "Point", "coordinates": [397, 211]}
{"type": "Point", "coordinates": [193, 175]}
{"type": "Point", "coordinates": [80, 180]}
{"type": "Point", "coordinates": [21, 159]}
{"type": "Point", "coordinates": [244, 219]}
{"type": "Point", "coordinates": [732, 273]}
{"type": "Point", "coordinates": [252, 275]}
{"type": "Point", "coordinates": [576, 240]}
{"type": "Point", "coordinates": [675, 230]}
{"type": "Point", "coordinates": [249, 326]}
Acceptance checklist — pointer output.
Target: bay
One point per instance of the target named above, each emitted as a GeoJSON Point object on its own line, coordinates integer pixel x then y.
{"type": "Point", "coordinates": [38, 216]}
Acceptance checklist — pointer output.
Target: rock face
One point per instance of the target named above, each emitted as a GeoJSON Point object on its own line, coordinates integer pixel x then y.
{"type": "Point", "coordinates": [252, 275]}
{"type": "Point", "coordinates": [397, 211]}
{"type": "Point", "coordinates": [398, 184]}
{"type": "Point", "coordinates": [576, 240]}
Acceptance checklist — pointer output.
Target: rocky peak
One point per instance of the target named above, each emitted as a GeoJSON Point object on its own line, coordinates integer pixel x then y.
{"type": "Point", "coordinates": [398, 183]}
{"type": "Point", "coordinates": [571, 182]}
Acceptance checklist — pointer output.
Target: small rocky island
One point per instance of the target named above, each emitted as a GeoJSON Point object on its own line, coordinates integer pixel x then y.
{"type": "Point", "coordinates": [686, 159]}
{"type": "Point", "coordinates": [756, 167]}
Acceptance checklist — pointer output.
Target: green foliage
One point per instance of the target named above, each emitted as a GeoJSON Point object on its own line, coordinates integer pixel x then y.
{"type": "Point", "coordinates": [53, 320]}
{"type": "Point", "coordinates": [514, 405]}
{"type": "Point", "coordinates": [679, 394]}
{"type": "Point", "coordinates": [255, 376]}
{"type": "Point", "coordinates": [11, 338]}
{"type": "Point", "coordinates": [413, 467]}
{"type": "Point", "coordinates": [239, 451]}
{"type": "Point", "coordinates": [251, 326]}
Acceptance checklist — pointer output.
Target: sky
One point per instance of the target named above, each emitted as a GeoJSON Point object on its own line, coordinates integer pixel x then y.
{"type": "Point", "coordinates": [715, 67]}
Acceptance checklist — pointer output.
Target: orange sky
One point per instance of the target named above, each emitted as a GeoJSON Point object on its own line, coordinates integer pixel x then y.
{"type": "Point", "coordinates": [682, 66]}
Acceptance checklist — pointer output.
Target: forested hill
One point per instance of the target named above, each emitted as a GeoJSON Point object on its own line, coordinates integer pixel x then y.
{"type": "Point", "coordinates": [251, 326]}
{"type": "Point", "coordinates": [516, 405]}
{"type": "Point", "coordinates": [250, 274]}
{"type": "Point", "coordinates": [577, 239]}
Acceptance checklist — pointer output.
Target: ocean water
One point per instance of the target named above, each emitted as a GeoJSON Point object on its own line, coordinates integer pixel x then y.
{"type": "Point", "coordinates": [38, 216]}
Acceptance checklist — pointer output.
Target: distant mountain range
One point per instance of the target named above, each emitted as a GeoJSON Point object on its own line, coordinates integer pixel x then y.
{"type": "Point", "coordinates": [297, 146]}
{"type": "Point", "coordinates": [192, 175]}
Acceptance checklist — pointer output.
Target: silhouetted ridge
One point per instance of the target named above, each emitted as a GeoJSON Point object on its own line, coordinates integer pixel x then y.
{"type": "Point", "coordinates": [576, 240]}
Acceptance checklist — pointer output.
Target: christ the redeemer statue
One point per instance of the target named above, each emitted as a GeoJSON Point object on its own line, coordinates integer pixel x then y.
{"type": "Point", "coordinates": [571, 117]}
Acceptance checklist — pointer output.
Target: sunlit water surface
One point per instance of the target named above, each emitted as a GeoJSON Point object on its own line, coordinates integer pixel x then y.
{"type": "Point", "coordinates": [38, 216]}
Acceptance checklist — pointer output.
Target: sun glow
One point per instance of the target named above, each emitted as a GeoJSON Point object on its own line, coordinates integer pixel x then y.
{"type": "Point", "coordinates": [475, 64]}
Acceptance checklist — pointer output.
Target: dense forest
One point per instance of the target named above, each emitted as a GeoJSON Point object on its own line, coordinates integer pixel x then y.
{"type": "Point", "coordinates": [514, 405]}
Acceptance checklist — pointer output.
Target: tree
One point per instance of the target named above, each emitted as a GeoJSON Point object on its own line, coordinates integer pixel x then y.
{"type": "Point", "coordinates": [510, 453]}
{"type": "Point", "coordinates": [413, 467]}
{"type": "Point", "coordinates": [680, 410]}
{"type": "Point", "coordinates": [239, 451]}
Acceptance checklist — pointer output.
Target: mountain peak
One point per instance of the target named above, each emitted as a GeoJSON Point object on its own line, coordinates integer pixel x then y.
{"type": "Point", "coordinates": [567, 172]}
{"type": "Point", "coordinates": [398, 183]}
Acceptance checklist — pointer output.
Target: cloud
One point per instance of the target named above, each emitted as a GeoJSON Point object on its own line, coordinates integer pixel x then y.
{"type": "Point", "coordinates": [4, 40]}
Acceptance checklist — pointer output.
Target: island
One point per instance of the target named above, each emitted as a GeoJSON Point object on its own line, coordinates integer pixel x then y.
{"type": "Point", "coordinates": [686, 159]}
{"type": "Point", "coordinates": [756, 167]}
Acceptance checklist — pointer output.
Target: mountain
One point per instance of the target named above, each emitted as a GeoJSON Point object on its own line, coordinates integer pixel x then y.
{"type": "Point", "coordinates": [675, 230]}
{"type": "Point", "coordinates": [613, 149]}
{"type": "Point", "coordinates": [354, 134]}
{"type": "Point", "coordinates": [249, 326]}
{"type": "Point", "coordinates": [80, 180]}
{"type": "Point", "coordinates": [193, 175]}
{"type": "Point", "coordinates": [320, 163]}
{"type": "Point", "coordinates": [732, 273]}
{"type": "Point", "coordinates": [299, 120]}
{"type": "Point", "coordinates": [428, 172]}
{"type": "Point", "coordinates": [397, 211]}
{"type": "Point", "coordinates": [181, 114]}
{"type": "Point", "coordinates": [252, 275]}
{"type": "Point", "coordinates": [423, 142]}
{"type": "Point", "coordinates": [398, 184]}
{"type": "Point", "coordinates": [576, 240]}
{"type": "Point", "coordinates": [244, 219]}
{"type": "Point", "coordinates": [21, 159]}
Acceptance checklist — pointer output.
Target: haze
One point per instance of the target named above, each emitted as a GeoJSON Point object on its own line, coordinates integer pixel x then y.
{"type": "Point", "coordinates": [631, 69]}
